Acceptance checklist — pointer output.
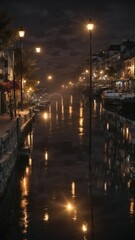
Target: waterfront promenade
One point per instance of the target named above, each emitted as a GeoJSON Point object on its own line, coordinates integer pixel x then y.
{"type": "Point", "coordinates": [6, 123]}
{"type": "Point", "coordinates": [11, 134]}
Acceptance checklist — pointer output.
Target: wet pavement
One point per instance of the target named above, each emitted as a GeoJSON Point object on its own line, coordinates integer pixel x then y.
{"type": "Point", "coordinates": [49, 196]}
{"type": "Point", "coordinates": [6, 123]}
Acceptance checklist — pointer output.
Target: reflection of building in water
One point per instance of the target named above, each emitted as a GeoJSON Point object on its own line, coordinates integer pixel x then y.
{"type": "Point", "coordinates": [28, 141]}
{"type": "Point", "coordinates": [70, 111]}
{"type": "Point", "coordinates": [71, 100]}
{"type": "Point", "coordinates": [118, 152]}
{"type": "Point", "coordinates": [73, 189]}
{"type": "Point", "coordinates": [81, 122]}
{"type": "Point", "coordinates": [62, 108]}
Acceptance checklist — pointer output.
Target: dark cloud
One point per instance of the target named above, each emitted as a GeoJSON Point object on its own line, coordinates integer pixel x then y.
{"type": "Point", "coordinates": [59, 26]}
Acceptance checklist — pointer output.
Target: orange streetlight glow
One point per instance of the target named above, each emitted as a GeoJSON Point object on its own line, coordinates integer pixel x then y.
{"type": "Point", "coordinates": [69, 207]}
{"type": "Point", "coordinates": [49, 77]}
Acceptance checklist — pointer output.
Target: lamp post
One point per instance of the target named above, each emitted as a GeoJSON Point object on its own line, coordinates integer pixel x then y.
{"type": "Point", "coordinates": [14, 84]}
{"type": "Point", "coordinates": [21, 35]}
{"type": "Point", "coordinates": [90, 26]}
{"type": "Point", "coordinates": [38, 51]}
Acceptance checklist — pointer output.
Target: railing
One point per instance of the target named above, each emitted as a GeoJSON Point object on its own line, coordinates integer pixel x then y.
{"type": "Point", "coordinates": [10, 138]}
{"type": "Point", "coordinates": [24, 119]}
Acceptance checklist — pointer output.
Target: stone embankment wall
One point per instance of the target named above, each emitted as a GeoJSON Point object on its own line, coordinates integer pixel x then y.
{"type": "Point", "coordinates": [10, 144]}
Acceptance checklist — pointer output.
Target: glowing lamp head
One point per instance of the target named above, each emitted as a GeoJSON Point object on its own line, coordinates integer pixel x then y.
{"type": "Point", "coordinates": [21, 32]}
{"type": "Point", "coordinates": [90, 25]}
{"type": "Point", "coordinates": [49, 77]}
{"type": "Point", "coordinates": [38, 49]}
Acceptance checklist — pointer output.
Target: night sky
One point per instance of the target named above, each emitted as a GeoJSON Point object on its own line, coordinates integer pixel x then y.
{"type": "Point", "coordinates": [59, 27]}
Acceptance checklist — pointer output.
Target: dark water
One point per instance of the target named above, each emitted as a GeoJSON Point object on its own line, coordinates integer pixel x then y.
{"type": "Point", "coordinates": [49, 197]}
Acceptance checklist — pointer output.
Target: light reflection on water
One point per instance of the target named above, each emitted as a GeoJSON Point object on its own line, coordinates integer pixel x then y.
{"type": "Point", "coordinates": [66, 176]}
{"type": "Point", "coordinates": [117, 134]}
{"type": "Point", "coordinates": [24, 187]}
{"type": "Point", "coordinates": [46, 215]}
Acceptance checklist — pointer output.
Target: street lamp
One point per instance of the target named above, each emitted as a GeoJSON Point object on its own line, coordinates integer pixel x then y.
{"type": "Point", "coordinates": [38, 49]}
{"type": "Point", "coordinates": [49, 77]}
{"type": "Point", "coordinates": [90, 27]}
{"type": "Point", "coordinates": [14, 83]}
{"type": "Point", "coordinates": [21, 35]}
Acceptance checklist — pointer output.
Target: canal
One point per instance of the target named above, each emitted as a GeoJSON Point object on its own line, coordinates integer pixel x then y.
{"type": "Point", "coordinates": [49, 196]}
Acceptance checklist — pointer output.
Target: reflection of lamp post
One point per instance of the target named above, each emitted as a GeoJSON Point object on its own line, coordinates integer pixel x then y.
{"type": "Point", "coordinates": [21, 35]}
{"type": "Point", "coordinates": [90, 28]}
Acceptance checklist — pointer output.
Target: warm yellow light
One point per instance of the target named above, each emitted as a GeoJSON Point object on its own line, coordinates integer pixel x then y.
{"type": "Point", "coordinates": [46, 155]}
{"type": "Point", "coordinates": [107, 126]}
{"type": "Point", "coordinates": [70, 110]}
{"type": "Point", "coordinates": [27, 170]}
{"type": "Point", "coordinates": [81, 122]}
{"type": "Point", "coordinates": [90, 25]}
{"type": "Point", "coordinates": [71, 99]}
{"type": "Point", "coordinates": [49, 77]}
{"type": "Point", "coordinates": [132, 208]}
{"type": "Point", "coordinates": [73, 189]}
{"type": "Point", "coordinates": [45, 115]}
{"type": "Point", "coordinates": [69, 207]}
{"type": "Point", "coordinates": [21, 32]}
{"type": "Point", "coordinates": [38, 49]}
{"type": "Point", "coordinates": [84, 227]}
{"type": "Point", "coordinates": [46, 217]}
{"type": "Point", "coordinates": [30, 161]}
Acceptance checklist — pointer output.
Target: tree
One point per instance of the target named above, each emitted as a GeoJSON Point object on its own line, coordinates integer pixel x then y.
{"type": "Point", "coordinates": [7, 34]}
{"type": "Point", "coordinates": [9, 40]}
{"type": "Point", "coordinates": [29, 67]}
